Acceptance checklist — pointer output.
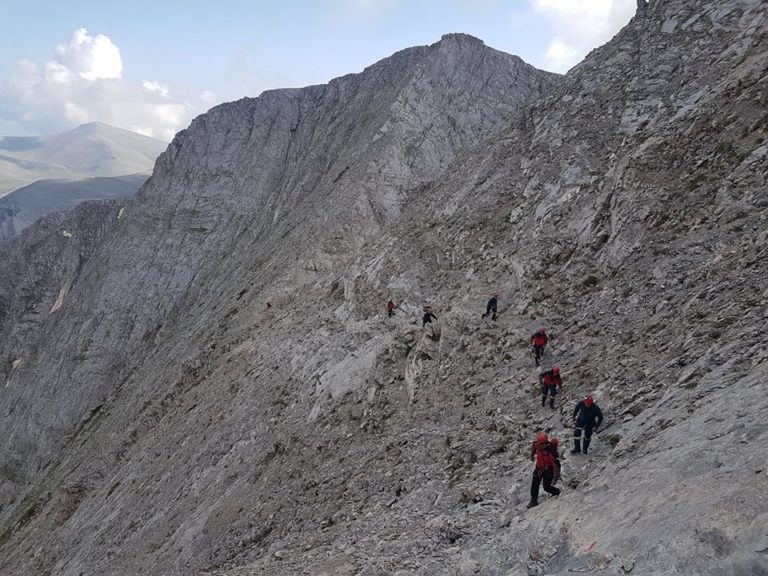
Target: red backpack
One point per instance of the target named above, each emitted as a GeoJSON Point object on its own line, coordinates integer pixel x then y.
{"type": "Point", "coordinates": [544, 457]}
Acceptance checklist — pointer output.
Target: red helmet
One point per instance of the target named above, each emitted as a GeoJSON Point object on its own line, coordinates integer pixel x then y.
{"type": "Point", "coordinates": [554, 441]}
{"type": "Point", "coordinates": [556, 369]}
{"type": "Point", "coordinates": [589, 400]}
{"type": "Point", "coordinates": [495, 294]}
{"type": "Point", "coordinates": [542, 437]}
{"type": "Point", "coordinates": [542, 330]}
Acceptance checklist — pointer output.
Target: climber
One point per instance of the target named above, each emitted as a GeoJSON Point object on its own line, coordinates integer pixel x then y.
{"type": "Point", "coordinates": [539, 341]}
{"type": "Point", "coordinates": [550, 381]}
{"type": "Point", "coordinates": [589, 419]}
{"type": "Point", "coordinates": [391, 309]}
{"type": "Point", "coordinates": [542, 454]}
{"type": "Point", "coordinates": [428, 316]}
{"type": "Point", "coordinates": [491, 307]}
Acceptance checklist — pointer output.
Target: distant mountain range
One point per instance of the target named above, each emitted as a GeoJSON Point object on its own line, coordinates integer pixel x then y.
{"type": "Point", "coordinates": [41, 174]}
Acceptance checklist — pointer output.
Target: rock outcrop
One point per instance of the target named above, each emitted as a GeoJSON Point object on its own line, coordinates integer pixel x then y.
{"type": "Point", "coordinates": [220, 391]}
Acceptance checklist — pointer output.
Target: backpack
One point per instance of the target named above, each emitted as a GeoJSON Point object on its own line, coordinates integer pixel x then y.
{"type": "Point", "coordinates": [544, 457]}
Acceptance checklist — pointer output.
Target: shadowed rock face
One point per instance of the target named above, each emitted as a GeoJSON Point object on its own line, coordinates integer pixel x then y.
{"type": "Point", "coordinates": [24, 206]}
{"type": "Point", "coordinates": [164, 416]}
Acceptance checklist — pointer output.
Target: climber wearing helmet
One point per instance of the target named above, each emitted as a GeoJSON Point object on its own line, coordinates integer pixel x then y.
{"type": "Point", "coordinates": [550, 381]}
{"type": "Point", "coordinates": [539, 340]}
{"type": "Point", "coordinates": [491, 307]}
{"type": "Point", "coordinates": [546, 464]}
{"type": "Point", "coordinates": [588, 418]}
{"type": "Point", "coordinates": [391, 309]}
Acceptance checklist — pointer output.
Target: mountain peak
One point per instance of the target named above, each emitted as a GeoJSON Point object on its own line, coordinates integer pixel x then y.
{"type": "Point", "coordinates": [460, 38]}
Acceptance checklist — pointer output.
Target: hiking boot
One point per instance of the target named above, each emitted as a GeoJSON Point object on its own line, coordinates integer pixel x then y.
{"type": "Point", "coordinates": [575, 451]}
{"type": "Point", "coordinates": [532, 503]}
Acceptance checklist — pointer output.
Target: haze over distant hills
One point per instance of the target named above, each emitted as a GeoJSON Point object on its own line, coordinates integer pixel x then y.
{"type": "Point", "coordinates": [42, 174]}
{"type": "Point", "coordinates": [90, 150]}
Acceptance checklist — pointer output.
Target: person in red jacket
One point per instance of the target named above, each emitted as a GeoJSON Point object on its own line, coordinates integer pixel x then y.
{"type": "Point", "coordinates": [543, 453]}
{"type": "Point", "coordinates": [550, 381]}
{"type": "Point", "coordinates": [539, 340]}
{"type": "Point", "coordinates": [391, 309]}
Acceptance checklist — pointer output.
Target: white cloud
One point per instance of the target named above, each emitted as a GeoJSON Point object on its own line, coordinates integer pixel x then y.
{"type": "Point", "coordinates": [155, 87]}
{"type": "Point", "coordinates": [84, 83]}
{"type": "Point", "coordinates": [580, 26]}
{"type": "Point", "coordinates": [91, 57]}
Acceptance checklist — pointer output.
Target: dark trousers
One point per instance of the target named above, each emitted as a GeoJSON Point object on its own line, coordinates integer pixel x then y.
{"type": "Point", "coordinates": [490, 310]}
{"type": "Point", "coordinates": [580, 445]}
{"type": "Point", "coordinates": [538, 352]}
{"type": "Point", "coordinates": [552, 391]}
{"type": "Point", "coordinates": [390, 312]}
{"type": "Point", "coordinates": [546, 477]}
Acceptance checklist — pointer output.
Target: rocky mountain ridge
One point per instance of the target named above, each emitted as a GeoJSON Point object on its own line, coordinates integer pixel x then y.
{"type": "Point", "coordinates": [166, 417]}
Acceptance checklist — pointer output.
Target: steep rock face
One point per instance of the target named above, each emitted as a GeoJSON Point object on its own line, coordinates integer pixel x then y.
{"type": "Point", "coordinates": [234, 200]}
{"type": "Point", "coordinates": [625, 210]}
{"type": "Point", "coordinates": [37, 272]}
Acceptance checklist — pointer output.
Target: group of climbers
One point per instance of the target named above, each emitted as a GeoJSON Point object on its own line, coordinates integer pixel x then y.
{"type": "Point", "coordinates": [426, 319]}
{"type": "Point", "coordinates": [490, 310]}
{"type": "Point", "coordinates": [587, 415]}
{"type": "Point", "coordinates": [544, 452]}
{"type": "Point", "coordinates": [587, 418]}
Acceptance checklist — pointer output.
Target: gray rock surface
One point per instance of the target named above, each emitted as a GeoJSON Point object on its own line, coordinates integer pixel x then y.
{"type": "Point", "coordinates": [25, 205]}
{"type": "Point", "coordinates": [166, 420]}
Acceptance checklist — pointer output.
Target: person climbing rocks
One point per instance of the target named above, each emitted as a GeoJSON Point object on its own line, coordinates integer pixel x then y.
{"type": "Point", "coordinates": [539, 340]}
{"type": "Point", "coordinates": [391, 309]}
{"type": "Point", "coordinates": [550, 381]}
{"type": "Point", "coordinates": [588, 419]}
{"type": "Point", "coordinates": [428, 316]}
{"type": "Point", "coordinates": [492, 306]}
{"type": "Point", "coordinates": [543, 454]}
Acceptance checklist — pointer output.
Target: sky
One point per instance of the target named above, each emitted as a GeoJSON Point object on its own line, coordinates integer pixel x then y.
{"type": "Point", "coordinates": [152, 66]}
